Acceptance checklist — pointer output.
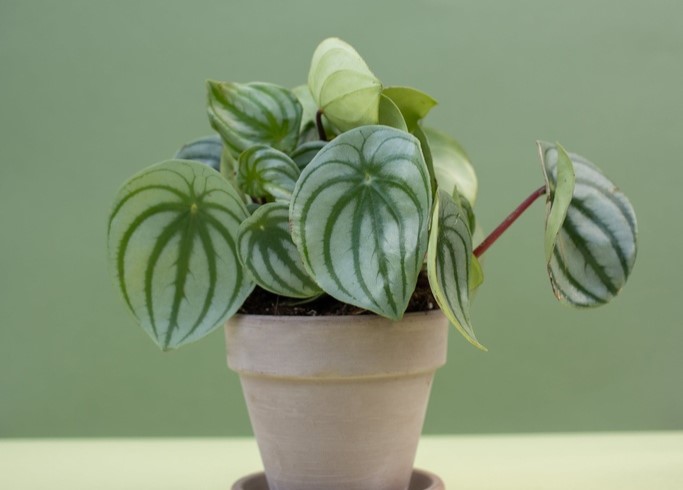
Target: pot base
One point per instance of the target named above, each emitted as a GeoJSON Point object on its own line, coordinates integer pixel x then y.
{"type": "Point", "coordinates": [420, 480]}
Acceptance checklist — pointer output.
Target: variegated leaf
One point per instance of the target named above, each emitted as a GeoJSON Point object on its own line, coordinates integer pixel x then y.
{"type": "Point", "coordinates": [305, 152]}
{"type": "Point", "coordinates": [596, 246]}
{"type": "Point", "coordinates": [449, 263]}
{"type": "Point", "coordinates": [254, 113]}
{"type": "Point", "coordinates": [343, 86]}
{"type": "Point", "coordinates": [270, 256]}
{"type": "Point", "coordinates": [267, 172]}
{"type": "Point", "coordinates": [359, 215]}
{"type": "Point", "coordinates": [173, 246]}
{"type": "Point", "coordinates": [451, 165]}
{"type": "Point", "coordinates": [206, 150]}
{"type": "Point", "coordinates": [413, 104]}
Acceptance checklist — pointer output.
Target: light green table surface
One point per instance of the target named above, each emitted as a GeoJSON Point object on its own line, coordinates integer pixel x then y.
{"type": "Point", "coordinates": [621, 461]}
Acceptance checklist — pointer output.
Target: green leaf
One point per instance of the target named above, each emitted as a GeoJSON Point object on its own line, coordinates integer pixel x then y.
{"type": "Point", "coordinates": [449, 263]}
{"type": "Point", "coordinates": [173, 246]}
{"type": "Point", "coordinates": [267, 172]}
{"type": "Point", "coordinates": [206, 150]}
{"type": "Point", "coordinates": [359, 215]}
{"type": "Point", "coordinates": [476, 274]}
{"type": "Point", "coordinates": [596, 247]}
{"type": "Point", "coordinates": [308, 105]}
{"type": "Point", "coordinates": [305, 152]}
{"type": "Point", "coordinates": [343, 86]}
{"type": "Point", "coordinates": [270, 256]}
{"type": "Point", "coordinates": [451, 165]}
{"type": "Point", "coordinates": [413, 104]}
{"type": "Point", "coordinates": [560, 192]}
{"type": "Point", "coordinates": [390, 115]}
{"type": "Point", "coordinates": [254, 113]}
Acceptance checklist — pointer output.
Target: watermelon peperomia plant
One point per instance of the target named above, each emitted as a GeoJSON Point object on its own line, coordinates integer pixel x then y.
{"type": "Point", "coordinates": [338, 188]}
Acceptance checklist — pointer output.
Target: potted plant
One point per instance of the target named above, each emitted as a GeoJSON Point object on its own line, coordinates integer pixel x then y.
{"type": "Point", "coordinates": [331, 232]}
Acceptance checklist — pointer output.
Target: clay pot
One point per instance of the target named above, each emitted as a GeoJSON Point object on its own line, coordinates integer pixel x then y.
{"type": "Point", "coordinates": [337, 402]}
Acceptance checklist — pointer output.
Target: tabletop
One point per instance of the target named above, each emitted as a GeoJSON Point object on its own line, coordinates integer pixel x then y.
{"type": "Point", "coordinates": [624, 461]}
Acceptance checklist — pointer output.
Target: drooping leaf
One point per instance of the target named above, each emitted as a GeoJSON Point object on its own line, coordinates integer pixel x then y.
{"type": "Point", "coordinates": [595, 249]}
{"type": "Point", "coordinates": [254, 113]}
{"type": "Point", "coordinates": [304, 153]}
{"type": "Point", "coordinates": [343, 86]}
{"type": "Point", "coordinates": [451, 165]}
{"type": "Point", "coordinates": [206, 150]}
{"type": "Point", "coordinates": [173, 246]}
{"type": "Point", "coordinates": [267, 172]}
{"type": "Point", "coordinates": [419, 133]}
{"type": "Point", "coordinates": [561, 192]}
{"type": "Point", "coordinates": [359, 215]}
{"type": "Point", "coordinates": [270, 256]}
{"type": "Point", "coordinates": [449, 263]}
{"type": "Point", "coordinates": [413, 104]}
{"type": "Point", "coordinates": [390, 115]}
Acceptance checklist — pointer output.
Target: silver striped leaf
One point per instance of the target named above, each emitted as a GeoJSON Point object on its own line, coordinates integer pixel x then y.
{"type": "Point", "coordinates": [270, 256]}
{"type": "Point", "coordinates": [452, 167]}
{"type": "Point", "coordinates": [305, 152]}
{"type": "Point", "coordinates": [596, 247]}
{"type": "Point", "coordinates": [449, 264]}
{"type": "Point", "coordinates": [359, 216]}
{"type": "Point", "coordinates": [173, 247]}
{"type": "Point", "coordinates": [206, 150]}
{"type": "Point", "coordinates": [254, 113]}
{"type": "Point", "coordinates": [343, 86]}
{"type": "Point", "coordinates": [266, 172]}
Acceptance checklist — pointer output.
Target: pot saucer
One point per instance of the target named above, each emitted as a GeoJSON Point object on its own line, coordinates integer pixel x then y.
{"type": "Point", "coordinates": [420, 480]}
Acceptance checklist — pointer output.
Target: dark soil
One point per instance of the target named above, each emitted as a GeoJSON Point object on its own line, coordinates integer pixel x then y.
{"type": "Point", "coordinates": [262, 302]}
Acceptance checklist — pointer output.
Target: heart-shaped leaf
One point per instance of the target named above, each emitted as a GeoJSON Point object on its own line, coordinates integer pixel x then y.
{"type": "Point", "coordinates": [595, 249]}
{"type": "Point", "coordinates": [449, 263]}
{"type": "Point", "coordinates": [269, 254]}
{"type": "Point", "coordinates": [451, 165]}
{"type": "Point", "coordinates": [254, 113]}
{"type": "Point", "coordinates": [343, 86]}
{"type": "Point", "coordinates": [359, 215]}
{"type": "Point", "coordinates": [267, 172]}
{"type": "Point", "coordinates": [173, 247]}
{"type": "Point", "coordinates": [413, 104]}
{"type": "Point", "coordinates": [206, 150]}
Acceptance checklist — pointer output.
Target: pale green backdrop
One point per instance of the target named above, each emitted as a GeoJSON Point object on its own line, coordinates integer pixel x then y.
{"type": "Point", "coordinates": [91, 91]}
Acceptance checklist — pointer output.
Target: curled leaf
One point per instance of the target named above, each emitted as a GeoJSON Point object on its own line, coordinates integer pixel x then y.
{"type": "Point", "coordinates": [343, 86]}
{"type": "Point", "coordinates": [267, 172]}
{"type": "Point", "coordinates": [413, 104]}
{"type": "Point", "coordinates": [595, 248]}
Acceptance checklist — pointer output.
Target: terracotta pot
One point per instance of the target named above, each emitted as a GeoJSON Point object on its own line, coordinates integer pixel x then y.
{"type": "Point", "coordinates": [337, 402]}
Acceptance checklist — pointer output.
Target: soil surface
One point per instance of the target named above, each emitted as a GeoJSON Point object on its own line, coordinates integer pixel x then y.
{"type": "Point", "coordinates": [262, 302]}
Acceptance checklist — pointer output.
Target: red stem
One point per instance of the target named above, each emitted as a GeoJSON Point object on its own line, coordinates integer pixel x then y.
{"type": "Point", "coordinates": [319, 124]}
{"type": "Point", "coordinates": [512, 217]}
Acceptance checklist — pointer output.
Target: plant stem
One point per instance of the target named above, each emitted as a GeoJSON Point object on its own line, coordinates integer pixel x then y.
{"type": "Point", "coordinates": [319, 124]}
{"type": "Point", "coordinates": [512, 217]}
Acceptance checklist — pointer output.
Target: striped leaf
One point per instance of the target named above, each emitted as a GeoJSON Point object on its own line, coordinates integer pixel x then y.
{"type": "Point", "coordinates": [413, 104]}
{"type": "Point", "coordinates": [359, 215]}
{"type": "Point", "coordinates": [173, 247]}
{"type": "Point", "coordinates": [254, 113]}
{"type": "Point", "coordinates": [451, 165]}
{"type": "Point", "coordinates": [595, 249]}
{"type": "Point", "coordinates": [449, 263]}
{"type": "Point", "coordinates": [305, 152]}
{"type": "Point", "coordinates": [206, 150]}
{"type": "Point", "coordinates": [267, 172]}
{"type": "Point", "coordinates": [343, 86]}
{"type": "Point", "coordinates": [270, 256]}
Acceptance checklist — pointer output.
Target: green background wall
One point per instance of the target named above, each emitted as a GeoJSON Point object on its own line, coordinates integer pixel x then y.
{"type": "Point", "coordinates": [92, 91]}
